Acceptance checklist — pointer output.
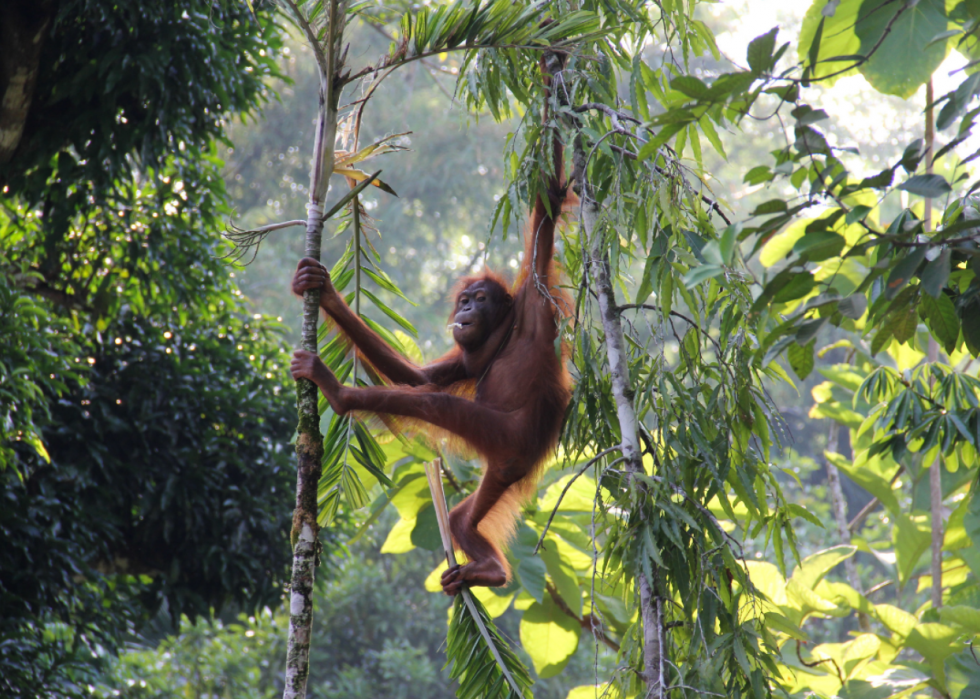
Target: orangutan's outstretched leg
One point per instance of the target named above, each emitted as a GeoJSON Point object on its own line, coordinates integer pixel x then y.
{"type": "Point", "coordinates": [487, 565]}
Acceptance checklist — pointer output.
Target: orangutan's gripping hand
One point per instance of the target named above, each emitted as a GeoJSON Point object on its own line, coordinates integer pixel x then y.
{"type": "Point", "coordinates": [310, 274]}
{"type": "Point", "coordinates": [308, 365]}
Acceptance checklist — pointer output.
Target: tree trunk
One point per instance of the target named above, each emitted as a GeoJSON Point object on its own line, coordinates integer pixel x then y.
{"type": "Point", "coordinates": [23, 27]}
{"type": "Point", "coordinates": [651, 611]}
{"type": "Point", "coordinates": [839, 506]}
{"type": "Point", "coordinates": [309, 444]}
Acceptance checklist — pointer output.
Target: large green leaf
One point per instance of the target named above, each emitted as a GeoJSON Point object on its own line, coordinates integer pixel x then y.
{"type": "Point", "coordinates": [425, 533]}
{"type": "Point", "coordinates": [935, 642]}
{"type": "Point", "coordinates": [902, 62]}
{"type": "Point", "coordinates": [782, 243]}
{"type": "Point", "coordinates": [961, 615]}
{"type": "Point", "coordinates": [911, 537]}
{"type": "Point", "coordinates": [895, 619]}
{"type": "Point", "coordinates": [940, 314]}
{"type": "Point", "coordinates": [874, 474]}
{"type": "Point", "coordinates": [564, 578]}
{"type": "Point", "coordinates": [812, 568]}
{"type": "Point", "coordinates": [399, 539]}
{"type": "Point", "coordinates": [412, 496]}
{"type": "Point", "coordinates": [579, 498]}
{"type": "Point", "coordinates": [837, 38]}
{"type": "Point", "coordinates": [549, 636]}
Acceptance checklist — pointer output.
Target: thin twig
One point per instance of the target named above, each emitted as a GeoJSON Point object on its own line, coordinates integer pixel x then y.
{"type": "Point", "coordinates": [587, 621]}
{"type": "Point", "coordinates": [569, 485]}
{"type": "Point", "coordinates": [614, 117]}
{"type": "Point", "coordinates": [815, 663]}
{"type": "Point", "coordinates": [872, 504]}
{"type": "Point", "coordinates": [653, 307]}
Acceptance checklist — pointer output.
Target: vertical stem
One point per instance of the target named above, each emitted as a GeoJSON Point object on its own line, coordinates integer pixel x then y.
{"type": "Point", "coordinates": [650, 604]}
{"type": "Point", "coordinates": [935, 471]}
{"type": "Point", "coordinates": [935, 474]}
{"type": "Point", "coordinates": [936, 510]}
{"type": "Point", "coordinates": [930, 139]}
{"type": "Point", "coordinates": [357, 272]}
{"type": "Point", "coordinates": [309, 443]}
{"type": "Point", "coordinates": [357, 255]}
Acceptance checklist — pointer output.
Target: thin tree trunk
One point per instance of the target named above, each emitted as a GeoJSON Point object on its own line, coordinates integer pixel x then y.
{"type": "Point", "coordinates": [309, 444]}
{"type": "Point", "coordinates": [23, 28]}
{"type": "Point", "coordinates": [650, 604]}
{"type": "Point", "coordinates": [935, 471]}
{"type": "Point", "coordinates": [935, 474]}
{"type": "Point", "coordinates": [936, 508]}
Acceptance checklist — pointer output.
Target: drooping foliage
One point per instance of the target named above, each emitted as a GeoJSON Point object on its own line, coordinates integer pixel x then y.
{"type": "Point", "coordinates": [704, 417]}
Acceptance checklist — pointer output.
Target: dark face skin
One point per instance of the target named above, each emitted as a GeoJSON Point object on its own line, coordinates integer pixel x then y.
{"type": "Point", "coordinates": [478, 312]}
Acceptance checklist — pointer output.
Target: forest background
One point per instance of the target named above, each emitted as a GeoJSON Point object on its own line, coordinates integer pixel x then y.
{"type": "Point", "coordinates": [156, 487]}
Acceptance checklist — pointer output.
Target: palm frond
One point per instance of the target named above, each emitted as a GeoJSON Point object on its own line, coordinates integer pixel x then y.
{"type": "Point", "coordinates": [478, 656]}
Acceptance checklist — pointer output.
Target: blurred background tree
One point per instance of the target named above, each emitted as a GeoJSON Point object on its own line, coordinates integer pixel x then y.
{"type": "Point", "coordinates": [146, 413]}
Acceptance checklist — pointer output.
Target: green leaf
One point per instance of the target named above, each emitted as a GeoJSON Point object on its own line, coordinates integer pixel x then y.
{"type": "Point", "coordinates": [531, 571]}
{"type": "Point", "coordinates": [778, 622]}
{"type": "Point", "coordinates": [824, 38]}
{"type": "Point", "coordinates": [425, 534]}
{"type": "Point", "coordinates": [936, 273]}
{"type": "Point", "coordinates": [896, 620]}
{"type": "Point", "coordinates": [758, 175]}
{"type": "Point", "coordinates": [646, 282]}
{"type": "Point", "coordinates": [412, 496]}
{"type": "Point", "coordinates": [801, 358]}
{"type": "Point", "coordinates": [903, 271]}
{"type": "Point", "coordinates": [579, 499]}
{"type": "Point", "coordinates": [760, 51]}
{"type": "Point", "coordinates": [853, 306]}
{"type": "Point", "coordinates": [933, 641]}
{"type": "Point", "coordinates": [708, 129]}
{"type": "Point", "coordinates": [772, 206]}
{"type": "Point", "coordinates": [858, 213]}
{"type": "Point", "coordinates": [963, 616]}
{"type": "Point", "coordinates": [813, 568]}
{"type": "Point", "coordinates": [806, 115]}
{"type": "Point", "coordinates": [728, 243]}
{"type": "Point", "coordinates": [940, 316]}
{"type": "Point", "coordinates": [399, 539]}
{"type": "Point", "coordinates": [911, 537]}
{"type": "Point", "coordinates": [564, 577]}
{"type": "Point", "coordinates": [800, 285]}
{"type": "Point", "coordinates": [913, 154]}
{"type": "Point", "coordinates": [394, 315]}
{"type": "Point", "coordinates": [903, 323]}
{"type": "Point", "coordinates": [970, 317]}
{"type": "Point", "coordinates": [549, 636]}
{"type": "Point", "coordinates": [701, 273]}
{"type": "Point", "coordinates": [819, 245]}
{"type": "Point", "coordinates": [470, 646]}
{"type": "Point", "coordinates": [690, 86]}
{"type": "Point", "coordinates": [902, 63]}
{"type": "Point", "coordinates": [874, 474]}
{"type": "Point", "coordinates": [929, 186]}
{"type": "Point", "coordinates": [780, 245]}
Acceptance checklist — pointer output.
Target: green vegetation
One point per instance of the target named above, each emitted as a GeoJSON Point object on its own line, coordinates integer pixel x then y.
{"type": "Point", "coordinates": [773, 495]}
